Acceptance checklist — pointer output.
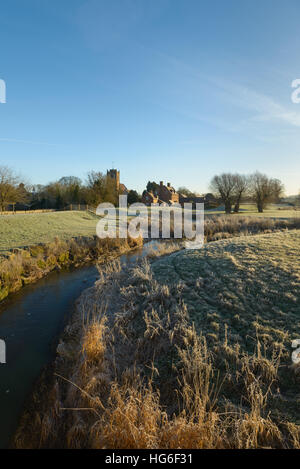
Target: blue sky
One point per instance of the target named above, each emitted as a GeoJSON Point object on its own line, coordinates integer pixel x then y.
{"type": "Point", "coordinates": [173, 90]}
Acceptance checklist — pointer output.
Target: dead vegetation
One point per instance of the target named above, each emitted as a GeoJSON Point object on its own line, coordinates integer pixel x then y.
{"type": "Point", "coordinates": [23, 266]}
{"type": "Point", "coordinates": [223, 227]}
{"type": "Point", "coordinates": [140, 367]}
{"type": "Point", "coordinates": [218, 227]}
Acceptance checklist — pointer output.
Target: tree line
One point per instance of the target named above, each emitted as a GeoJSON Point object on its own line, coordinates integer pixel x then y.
{"type": "Point", "coordinates": [229, 189]}
{"type": "Point", "coordinates": [68, 190]}
{"type": "Point", "coordinates": [232, 189]}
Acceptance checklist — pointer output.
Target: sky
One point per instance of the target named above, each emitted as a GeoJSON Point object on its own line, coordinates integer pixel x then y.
{"type": "Point", "coordinates": [172, 90]}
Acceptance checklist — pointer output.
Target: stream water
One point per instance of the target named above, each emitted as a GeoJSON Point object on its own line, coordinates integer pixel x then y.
{"type": "Point", "coordinates": [30, 322]}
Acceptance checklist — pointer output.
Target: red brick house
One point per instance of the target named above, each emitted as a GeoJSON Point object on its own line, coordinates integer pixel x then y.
{"type": "Point", "coordinates": [168, 194]}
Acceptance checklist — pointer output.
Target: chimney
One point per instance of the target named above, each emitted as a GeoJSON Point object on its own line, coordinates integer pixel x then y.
{"type": "Point", "coordinates": [161, 183]}
{"type": "Point", "coordinates": [168, 184]}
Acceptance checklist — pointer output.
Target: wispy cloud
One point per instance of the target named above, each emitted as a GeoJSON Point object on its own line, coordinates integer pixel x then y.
{"type": "Point", "coordinates": [264, 107]}
{"type": "Point", "coordinates": [244, 106]}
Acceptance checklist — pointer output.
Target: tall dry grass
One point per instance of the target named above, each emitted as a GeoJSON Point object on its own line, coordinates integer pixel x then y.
{"type": "Point", "coordinates": [133, 372]}
{"type": "Point", "coordinates": [222, 227]}
{"type": "Point", "coordinates": [25, 266]}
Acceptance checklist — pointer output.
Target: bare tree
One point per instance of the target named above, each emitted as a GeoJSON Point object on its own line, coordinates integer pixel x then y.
{"type": "Point", "coordinates": [11, 191]}
{"type": "Point", "coordinates": [277, 190]}
{"type": "Point", "coordinates": [71, 189]}
{"type": "Point", "coordinates": [100, 188]}
{"type": "Point", "coordinates": [241, 189]}
{"type": "Point", "coordinates": [265, 190]}
{"type": "Point", "coordinates": [224, 188]}
{"type": "Point", "coordinates": [185, 191]}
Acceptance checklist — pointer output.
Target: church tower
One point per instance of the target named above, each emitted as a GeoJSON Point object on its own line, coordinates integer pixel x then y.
{"type": "Point", "coordinates": [115, 175]}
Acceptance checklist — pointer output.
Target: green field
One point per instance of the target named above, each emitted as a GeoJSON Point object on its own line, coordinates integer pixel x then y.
{"type": "Point", "coordinates": [23, 230]}
{"type": "Point", "coordinates": [272, 211]}
{"type": "Point", "coordinates": [17, 231]}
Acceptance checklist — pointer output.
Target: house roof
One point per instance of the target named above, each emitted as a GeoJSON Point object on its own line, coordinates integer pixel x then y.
{"type": "Point", "coordinates": [123, 188]}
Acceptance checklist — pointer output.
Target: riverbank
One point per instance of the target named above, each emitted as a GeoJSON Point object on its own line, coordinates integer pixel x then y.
{"type": "Point", "coordinates": [41, 397]}
{"type": "Point", "coordinates": [24, 266]}
{"type": "Point", "coordinates": [31, 323]}
{"type": "Point", "coordinates": [189, 351]}
{"type": "Point", "coordinates": [33, 245]}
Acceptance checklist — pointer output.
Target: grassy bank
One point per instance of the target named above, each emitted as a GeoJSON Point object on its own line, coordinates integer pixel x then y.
{"type": "Point", "coordinates": [222, 227]}
{"type": "Point", "coordinates": [50, 243]}
{"type": "Point", "coordinates": [190, 351]}
{"type": "Point", "coordinates": [19, 231]}
{"type": "Point", "coordinates": [25, 266]}
{"type": "Point", "coordinates": [250, 210]}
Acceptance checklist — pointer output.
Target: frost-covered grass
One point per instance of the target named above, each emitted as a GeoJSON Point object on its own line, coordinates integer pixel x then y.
{"type": "Point", "coordinates": [23, 230]}
{"type": "Point", "coordinates": [192, 350]}
{"type": "Point", "coordinates": [271, 211]}
{"type": "Point", "coordinates": [244, 284]}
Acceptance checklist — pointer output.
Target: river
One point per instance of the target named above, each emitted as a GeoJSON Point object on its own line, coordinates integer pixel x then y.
{"type": "Point", "coordinates": [30, 323]}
